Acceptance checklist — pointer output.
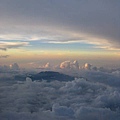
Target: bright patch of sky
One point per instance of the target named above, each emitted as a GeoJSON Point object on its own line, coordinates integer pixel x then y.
{"type": "Point", "coordinates": [38, 45]}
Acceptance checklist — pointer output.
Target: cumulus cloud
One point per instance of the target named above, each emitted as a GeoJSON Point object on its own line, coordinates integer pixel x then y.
{"type": "Point", "coordinates": [75, 69]}
{"type": "Point", "coordinates": [70, 65]}
{"type": "Point", "coordinates": [14, 66]}
{"type": "Point", "coordinates": [92, 113]}
{"type": "Point", "coordinates": [65, 64]}
{"type": "Point", "coordinates": [28, 79]}
{"type": "Point", "coordinates": [47, 66]}
{"type": "Point", "coordinates": [62, 110]}
{"type": "Point", "coordinates": [73, 100]}
{"type": "Point", "coordinates": [8, 68]}
{"type": "Point", "coordinates": [94, 94]}
{"type": "Point", "coordinates": [87, 66]}
{"type": "Point", "coordinates": [4, 68]}
{"type": "Point", "coordinates": [75, 65]}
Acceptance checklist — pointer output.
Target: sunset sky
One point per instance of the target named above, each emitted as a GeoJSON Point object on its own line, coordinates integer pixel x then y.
{"type": "Point", "coordinates": [41, 31]}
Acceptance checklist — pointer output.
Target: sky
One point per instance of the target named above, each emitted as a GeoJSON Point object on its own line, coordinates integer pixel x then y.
{"type": "Point", "coordinates": [40, 31]}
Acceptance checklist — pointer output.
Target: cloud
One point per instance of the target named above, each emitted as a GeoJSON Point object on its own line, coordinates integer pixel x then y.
{"type": "Point", "coordinates": [7, 68]}
{"type": "Point", "coordinates": [96, 97]}
{"type": "Point", "coordinates": [14, 66]}
{"type": "Point", "coordinates": [70, 65]}
{"type": "Point", "coordinates": [62, 110]}
{"type": "Point", "coordinates": [4, 56]}
{"type": "Point", "coordinates": [75, 65]}
{"type": "Point", "coordinates": [12, 45]}
{"type": "Point", "coordinates": [87, 66]}
{"type": "Point", "coordinates": [93, 21]}
{"type": "Point", "coordinates": [3, 49]}
{"type": "Point", "coordinates": [92, 113]}
{"type": "Point", "coordinates": [65, 65]}
{"type": "Point", "coordinates": [47, 66]}
{"type": "Point", "coordinates": [73, 100]}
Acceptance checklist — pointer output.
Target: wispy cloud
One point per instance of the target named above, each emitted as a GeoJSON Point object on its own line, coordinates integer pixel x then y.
{"type": "Point", "coordinates": [10, 45]}
{"type": "Point", "coordinates": [4, 56]}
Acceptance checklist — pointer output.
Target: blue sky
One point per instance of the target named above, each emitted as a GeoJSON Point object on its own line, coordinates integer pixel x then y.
{"type": "Point", "coordinates": [62, 46]}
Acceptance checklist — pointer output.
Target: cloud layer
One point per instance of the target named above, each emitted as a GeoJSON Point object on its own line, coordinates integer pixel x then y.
{"type": "Point", "coordinates": [4, 56]}
{"type": "Point", "coordinates": [9, 45]}
{"type": "Point", "coordinates": [93, 94]}
{"type": "Point", "coordinates": [74, 100]}
{"type": "Point", "coordinates": [95, 21]}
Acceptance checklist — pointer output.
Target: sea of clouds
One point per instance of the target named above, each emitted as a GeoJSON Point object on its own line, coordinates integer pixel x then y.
{"type": "Point", "coordinates": [93, 95]}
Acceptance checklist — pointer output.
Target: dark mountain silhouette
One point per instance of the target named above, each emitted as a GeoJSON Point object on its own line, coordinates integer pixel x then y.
{"type": "Point", "coordinates": [50, 76]}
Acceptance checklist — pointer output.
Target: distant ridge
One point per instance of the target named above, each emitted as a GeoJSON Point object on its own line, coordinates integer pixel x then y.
{"type": "Point", "coordinates": [51, 76]}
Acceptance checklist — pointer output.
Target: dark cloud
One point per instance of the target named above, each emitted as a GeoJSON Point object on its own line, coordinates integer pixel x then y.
{"type": "Point", "coordinates": [4, 56]}
{"type": "Point", "coordinates": [73, 100]}
{"type": "Point", "coordinates": [3, 49]}
{"type": "Point", "coordinates": [94, 19]}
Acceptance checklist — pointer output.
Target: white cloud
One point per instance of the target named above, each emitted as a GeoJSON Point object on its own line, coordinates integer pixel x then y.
{"type": "Point", "coordinates": [70, 65]}
{"type": "Point", "coordinates": [65, 65]}
{"type": "Point", "coordinates": [47, 66]}
{"type": "Point", "coordinates": [12, 45]}
{"type": "Point", "coordinates": [87, 66]}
